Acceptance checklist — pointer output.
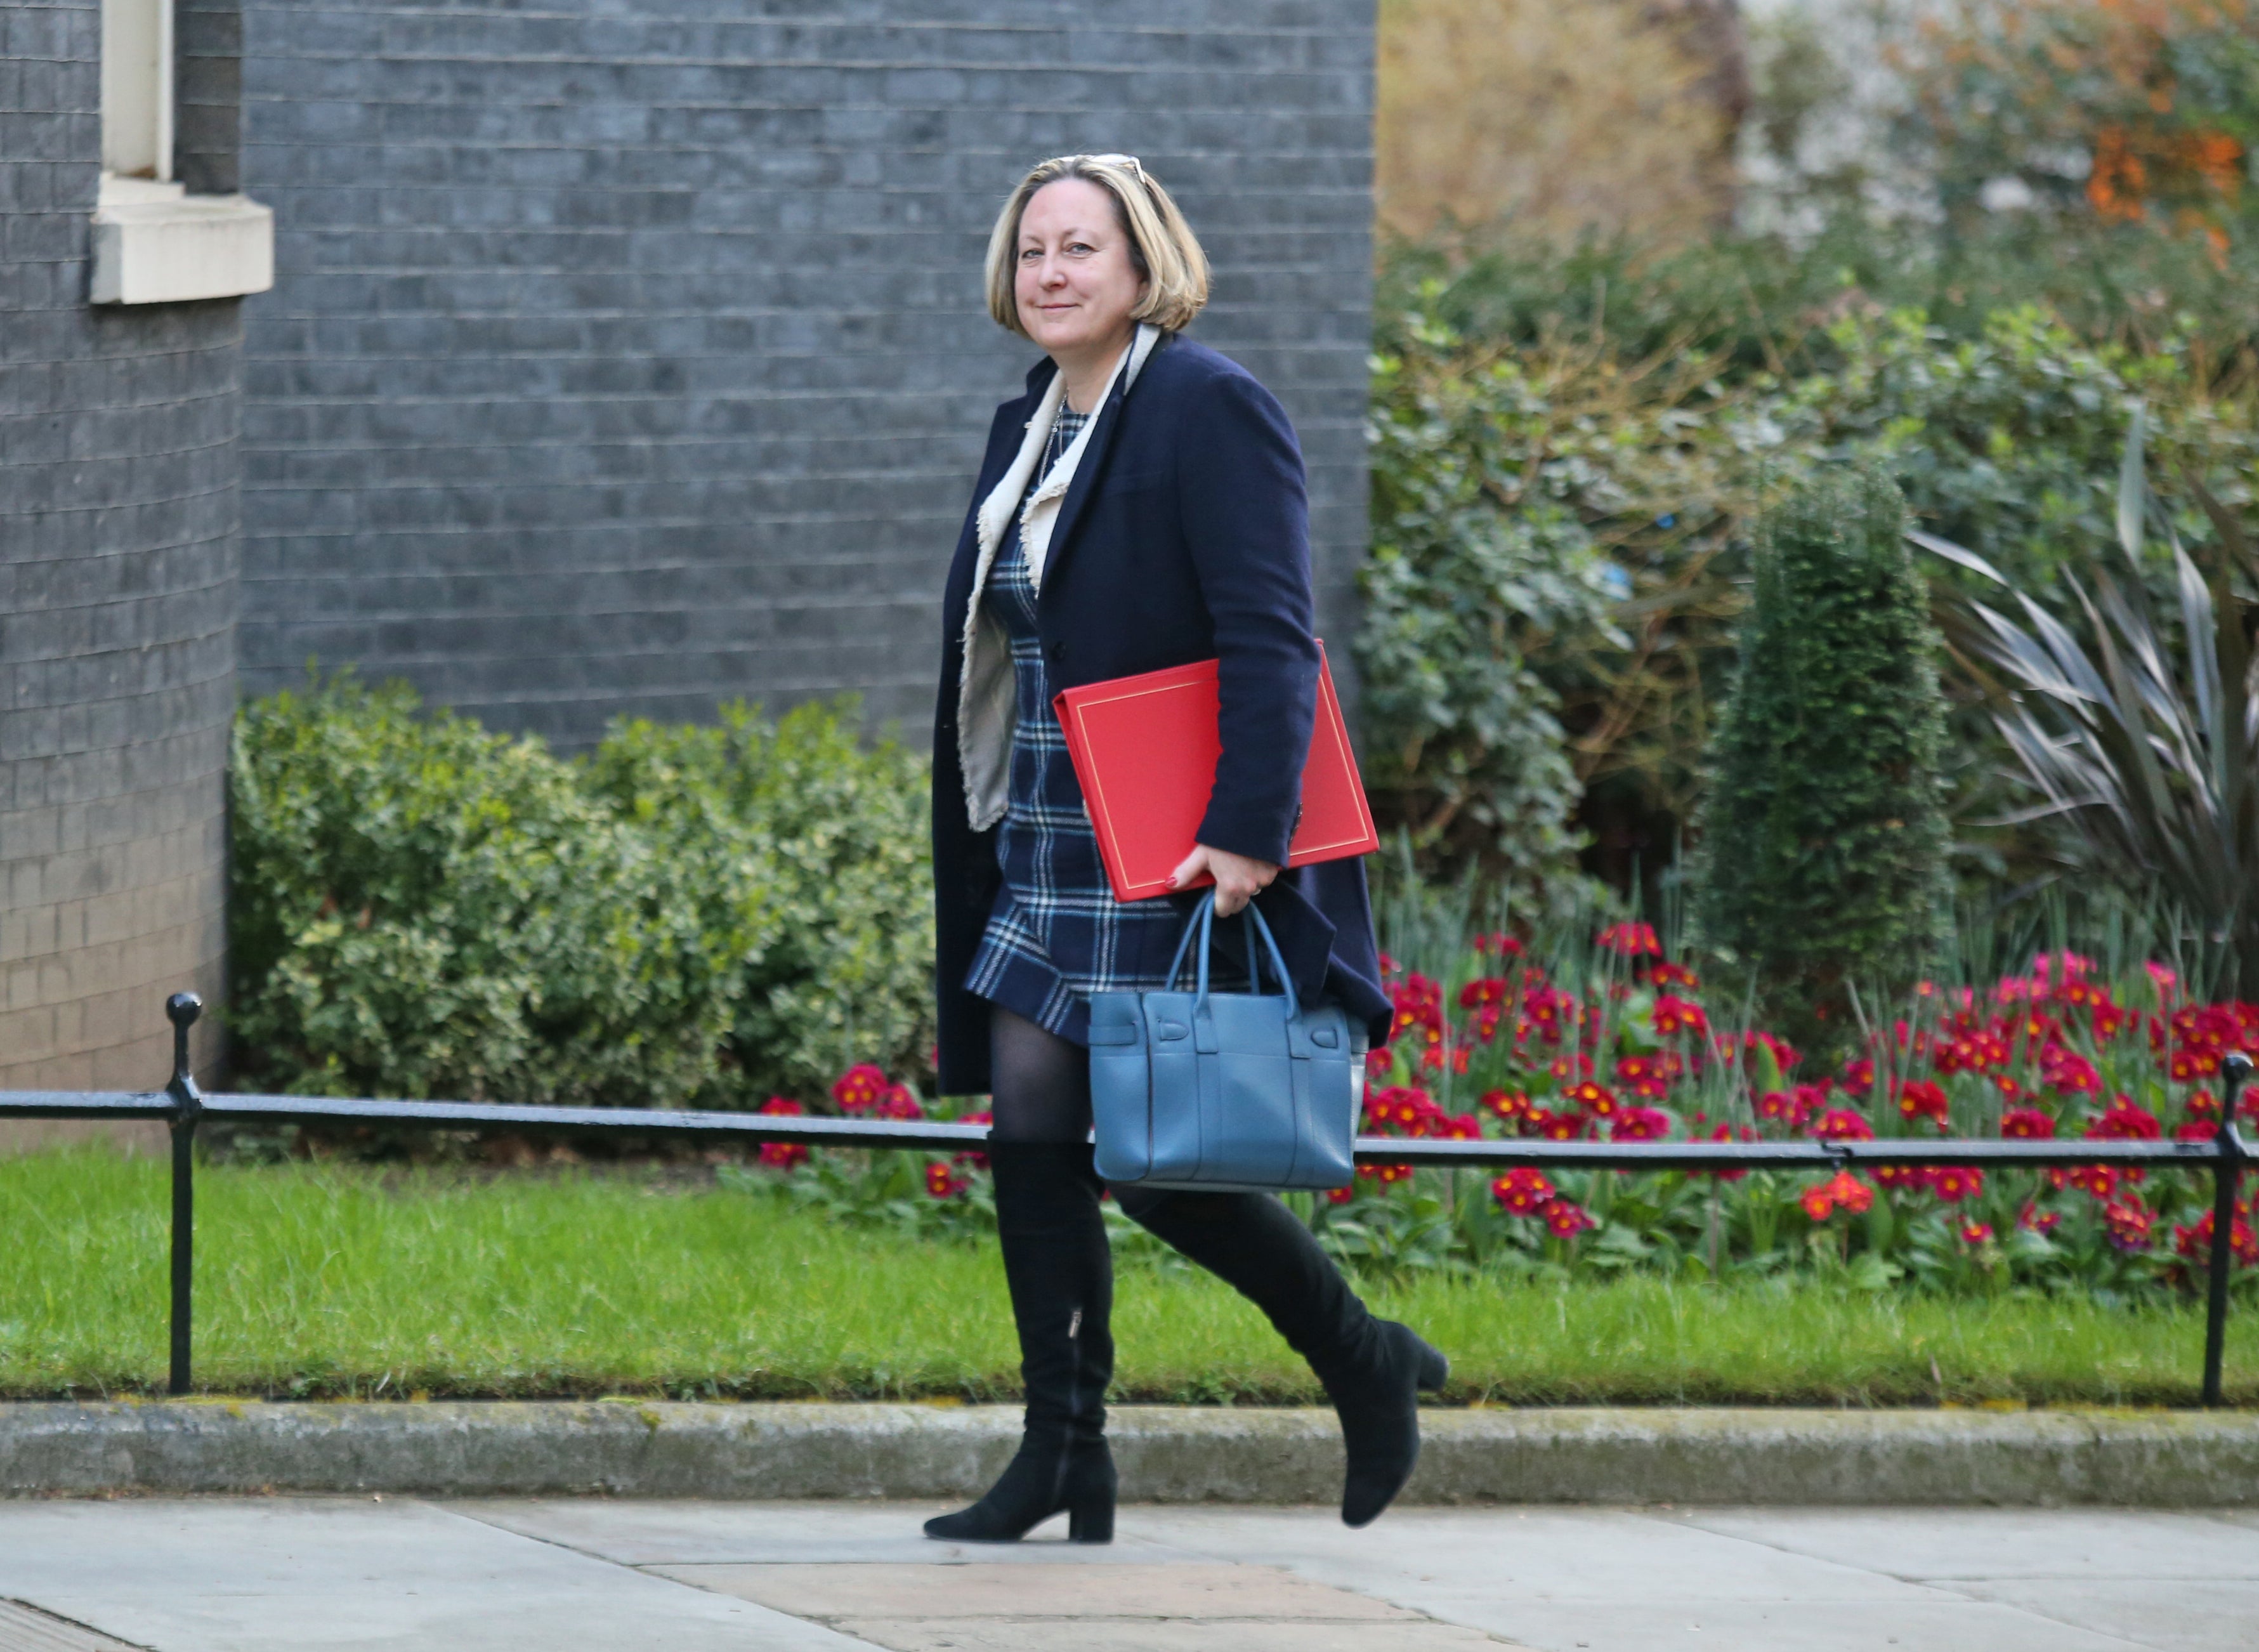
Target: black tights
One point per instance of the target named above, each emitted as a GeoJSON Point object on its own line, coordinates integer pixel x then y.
{"type": "Point", "coordinates": [1039, 1083]}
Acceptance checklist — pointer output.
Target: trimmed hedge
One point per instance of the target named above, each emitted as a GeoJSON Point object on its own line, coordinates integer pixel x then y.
{"type": "Point", "coordinates": [687, 916]}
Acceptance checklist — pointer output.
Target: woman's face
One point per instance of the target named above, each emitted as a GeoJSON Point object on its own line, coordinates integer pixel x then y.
{"type": "Point", "coordinates": [1075, 281]}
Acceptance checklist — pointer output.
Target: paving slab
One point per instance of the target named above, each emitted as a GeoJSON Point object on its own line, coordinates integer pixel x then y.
{"type": "Point", "coordinates": [596, 1575]}
{"type": "Point", "coordinates": [1196, 1588]}
{"type": "Point", "coordinates": [637, 1533]}
{"type": "Point", "coordinates": [1522, 1555]}
{"type": "Point", "coordinates": [294, 1575]}
{"type": "Point", "coordinates": [2187, 1617]}
{"type": "Point", "coordinates": [1936, 1544]}
{"type": "Point", "coordinates": [1083, 1634]}
{"type": "Point", "coordinates": [1719, 1626]}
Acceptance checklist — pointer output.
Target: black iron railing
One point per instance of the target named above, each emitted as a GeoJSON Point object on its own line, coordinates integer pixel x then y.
{"type": "Point", "coordinates": [183, 1107]}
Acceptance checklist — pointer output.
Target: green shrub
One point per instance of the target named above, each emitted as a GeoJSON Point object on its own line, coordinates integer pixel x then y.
{"type": "Point", "coordinates": [1467, 750]}
{"type": "Point", "coordinates": [1515, 476]}
{"type": "Point", "coordinates": [842, 972]}
{"type": "Point", "coordinates": [1823, 843]}
{"type": "Point", "coordinates": [420, 907]}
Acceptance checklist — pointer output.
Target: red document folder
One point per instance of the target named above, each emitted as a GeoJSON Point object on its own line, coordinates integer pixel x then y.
{"type": "Point", "coordinates": [1145, 751]}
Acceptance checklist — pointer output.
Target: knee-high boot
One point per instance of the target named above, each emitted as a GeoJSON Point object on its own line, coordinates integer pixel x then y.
{"type": "Point", "coordinates": [1061, 1277]}
{"type": "Point", "coordinates": [1372, 1369]}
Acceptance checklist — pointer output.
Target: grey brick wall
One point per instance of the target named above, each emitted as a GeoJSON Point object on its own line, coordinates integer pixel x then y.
{"type": "Point", "coordinates": [628, 356]}
{"type": "Point", "coordinates": [118, 547]}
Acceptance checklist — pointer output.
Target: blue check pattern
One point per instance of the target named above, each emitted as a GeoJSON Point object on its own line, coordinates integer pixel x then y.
{"type": "Point", "coordinates": [1055, 934]}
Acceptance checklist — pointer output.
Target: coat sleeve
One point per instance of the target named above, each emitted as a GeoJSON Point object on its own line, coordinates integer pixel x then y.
{"type": "Point", "coordinates": [1245, 520]}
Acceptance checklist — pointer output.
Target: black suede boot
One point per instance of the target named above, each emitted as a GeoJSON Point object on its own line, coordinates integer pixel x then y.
{"type": "Point", "coordinates": [1372, 1369]}
{"type": "Point", "coordinates": [1061, 1277]}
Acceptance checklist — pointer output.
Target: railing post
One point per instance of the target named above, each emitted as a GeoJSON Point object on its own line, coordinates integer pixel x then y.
{"type": "Point", "coordinates": [182, 1008]}
{"type": "Point", "coordinates": [2226, 1170]}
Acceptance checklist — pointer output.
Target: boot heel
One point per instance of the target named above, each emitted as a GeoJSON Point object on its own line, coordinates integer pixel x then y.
{"type": "Point", "coordinates": [1090, 1520]}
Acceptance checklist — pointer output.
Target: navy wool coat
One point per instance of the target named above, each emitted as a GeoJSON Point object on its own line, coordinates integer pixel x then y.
{"type": "Point", "coordinates": [1185, 536]}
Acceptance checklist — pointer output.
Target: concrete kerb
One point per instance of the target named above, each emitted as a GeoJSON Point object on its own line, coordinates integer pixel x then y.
{"type": "Point", "coordinates": [1167, 1454]}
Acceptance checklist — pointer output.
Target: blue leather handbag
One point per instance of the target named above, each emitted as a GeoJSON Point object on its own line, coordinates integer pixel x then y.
{"type": "Point", "coordinates": [1241, 1091]}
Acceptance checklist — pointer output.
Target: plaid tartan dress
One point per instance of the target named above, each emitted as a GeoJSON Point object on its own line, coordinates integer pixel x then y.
{"type": "Point", "coordinates": [1055, 934]}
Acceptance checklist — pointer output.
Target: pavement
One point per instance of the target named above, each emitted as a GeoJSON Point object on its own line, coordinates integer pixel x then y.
{"type": "Point", "coordinates": [338, 1574]}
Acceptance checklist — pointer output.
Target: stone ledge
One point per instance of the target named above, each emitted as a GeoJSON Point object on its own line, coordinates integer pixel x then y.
{"type": "Point", "coordinates": [1167, 1454]}
{"type": "Point", "coordinates": [154, 244]}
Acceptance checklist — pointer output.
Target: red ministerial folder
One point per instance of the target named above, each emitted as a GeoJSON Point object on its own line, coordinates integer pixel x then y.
{"type": "Point", "coordinates": [1145, 750]}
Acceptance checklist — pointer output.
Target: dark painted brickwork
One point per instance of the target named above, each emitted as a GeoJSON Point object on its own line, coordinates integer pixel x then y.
{"type": "Point", "coordinates": [628, 356]}
{"type": "Point", "coordinates": [117, 589]}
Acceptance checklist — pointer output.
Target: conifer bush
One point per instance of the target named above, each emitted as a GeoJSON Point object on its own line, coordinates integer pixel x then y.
{"type": "Point", "coordinates": [1822, 861]}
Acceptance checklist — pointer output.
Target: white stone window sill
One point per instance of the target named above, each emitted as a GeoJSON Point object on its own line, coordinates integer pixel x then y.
{"type": "Point", "coordinates": [156, 243]}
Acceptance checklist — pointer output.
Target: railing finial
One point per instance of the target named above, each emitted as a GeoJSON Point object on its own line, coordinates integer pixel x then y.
{"type": "Point", "coordinates": [182, 1009]}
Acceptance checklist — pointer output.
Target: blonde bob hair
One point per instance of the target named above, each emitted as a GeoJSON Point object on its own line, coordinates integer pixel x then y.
{"type": "Point", "coordinates": [1161, 244]}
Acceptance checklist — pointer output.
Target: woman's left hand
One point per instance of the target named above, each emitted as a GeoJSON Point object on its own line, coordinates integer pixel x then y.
{"type": "Point", "coordinates": [1238, 879]}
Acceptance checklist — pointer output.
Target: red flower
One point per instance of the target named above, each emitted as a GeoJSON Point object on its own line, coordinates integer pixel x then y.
{"type": "Point", "coordinates": [2099, 1180]}
{"type": "Point", "coordinates": [2123, 1121]}
{"type": "Point", "coordinates": [1523, 1192]}
{"type": "Point", "coordinates": [1379, 1065]}
{"type": "Point", "coordinates": [1903, 1175]}
{"type": "Point", "coordinates": [1565, 1219]}
{"type": "Point", "coordinates": [898, 1103]}
{"type": "Point", "coordinates": [1679, 1014]}
{"type": "Point", "coordinates": [2130, 1222]}
{"type": "Point", "coordinates": [1639, 1124]}
{"type": "Point", "coordinates": [2027, 1124]}
{"type": "Point", "coordinates": [1859, 1076]}
{"type": "Point", "coordinates": [943, 1182]}
{"type": "Point", "coordinates": [1498, 943]}
{"type": "Point", "coordinates": [1387, 1175]}
{"type": "Point", "coordinates": [1976, 1232]}
{"type": "Point", "coordinates": [783, 1156]}
{"type": "Point", "coordinates": [1631, 940]}
{"type": "Point", "coordinates": [1841, 1124]}
{"type": "Point", "coordinates": [1340, 1195]}
{"type": "Point", "coordinates": [2195, 1242]}
{"type": "Point", "coordinates": [1507, 1105]}
{"type": "Point", "coordinates": [1489, 989]}
{"type": "Point", "coordinates": [1556, 1127]}
{"type": "Point", "coordinates": [1596, 1097]}
{"type": "Point", "coordinates": [1649, 1075]}
{"type": "Point", "coordinates": [1921, 1098]}
{"type": "Point", "coordinates": [1954, 1183]}
{"type": "Point", "coordinates": [860, 1088]}
{"type": "Point", "coordinates": [1842, 1191]}
{"type": "Point", "coordinates": [1673, 975]}
{"type": "Point", "coordinates": [2069, 1074]}
{"type": "Point", "coordinates": [2037, 1221]}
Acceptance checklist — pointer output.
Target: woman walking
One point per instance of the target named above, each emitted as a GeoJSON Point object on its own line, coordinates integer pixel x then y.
{"type": "Point", "coordinates": [1141, 506]}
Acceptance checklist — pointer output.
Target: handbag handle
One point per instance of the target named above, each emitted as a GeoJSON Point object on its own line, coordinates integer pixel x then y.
{"type": "Point", "coordinates": [1202, 923]}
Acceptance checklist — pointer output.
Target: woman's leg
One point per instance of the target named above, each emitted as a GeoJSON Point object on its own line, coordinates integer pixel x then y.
{"type": "Point", "coordinates": [1372, 1369]}
{"type": "Point", "coordinates": [1061, 1278]}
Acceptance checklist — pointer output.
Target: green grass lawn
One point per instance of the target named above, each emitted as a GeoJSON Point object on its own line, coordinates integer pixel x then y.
{"type": "Point", "coordinates": [327, 1281]}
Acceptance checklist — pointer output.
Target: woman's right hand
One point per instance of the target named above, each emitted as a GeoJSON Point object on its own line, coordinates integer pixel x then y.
{"type": "Point", "coordinates": [1238, 878]}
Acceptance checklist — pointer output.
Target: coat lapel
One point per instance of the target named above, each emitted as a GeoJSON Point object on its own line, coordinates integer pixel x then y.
{"type": "Point", "coordinates": [1092, 466]}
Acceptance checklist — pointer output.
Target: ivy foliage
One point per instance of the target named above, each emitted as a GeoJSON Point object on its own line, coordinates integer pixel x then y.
{"type": "Point", "coordinates": [1821, 868]}
{"type": "Point", "coordinates": [687, 916]}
